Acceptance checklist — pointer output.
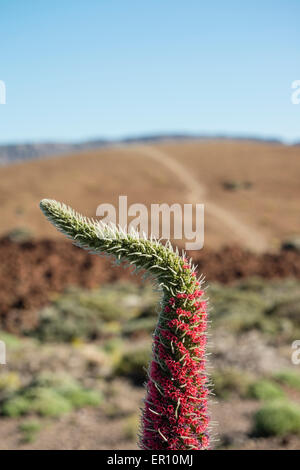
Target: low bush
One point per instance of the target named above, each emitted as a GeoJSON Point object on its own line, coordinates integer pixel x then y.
{"type": "Point", "coordinates": [15, 406]}
{"type": "Point", "coordinates": [277, 419]}
{"type": "Point", "coordinates": [289, 378]}
{"type": "Point", "coordinates": [9, 382]}
{"type": "Point", "coordinates": [264, 390]}
{"type": "Point", "coordinates": [49, 395]}
{"type": "Point", "coordinates": [99, 313]}
{"type": "Point", "coordinates": [47, 402]}
{"type": "Point", "coordinates": [229, 381]}
{"type": "Point", "coordinates": [29, 430]}
{"type": "Point", "coordinates": [133, 364]}
{"type": "Point", "coordinates": [272, 307]}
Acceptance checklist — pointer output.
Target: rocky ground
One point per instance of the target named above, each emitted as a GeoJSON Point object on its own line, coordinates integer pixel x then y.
{"type": "Point", "coordinates": [31, 271]}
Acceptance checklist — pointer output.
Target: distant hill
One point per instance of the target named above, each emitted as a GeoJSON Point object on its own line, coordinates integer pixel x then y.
{"type": "Point", "coordinates": [19, 152]}
{"type": "Point", "coordinates": [254, 185]}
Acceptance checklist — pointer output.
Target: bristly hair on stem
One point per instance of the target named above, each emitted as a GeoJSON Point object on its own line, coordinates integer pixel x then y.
{"type": "Point", "coordinates": [175, 414]}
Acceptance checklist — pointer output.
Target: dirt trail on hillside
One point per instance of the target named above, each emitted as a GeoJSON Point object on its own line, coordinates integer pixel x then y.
{"type": "Point", "coordinates": [250, 237]}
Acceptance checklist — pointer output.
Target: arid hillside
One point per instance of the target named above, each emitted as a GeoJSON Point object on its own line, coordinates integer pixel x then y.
{"type": "Point", "coordinates": [251, 190]}
{"type": "Point", "coordinates": [78, 331]}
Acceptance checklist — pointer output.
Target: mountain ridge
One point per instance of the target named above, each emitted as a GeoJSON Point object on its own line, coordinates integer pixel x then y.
{"type": "Point", "coordinates": [11, 153]}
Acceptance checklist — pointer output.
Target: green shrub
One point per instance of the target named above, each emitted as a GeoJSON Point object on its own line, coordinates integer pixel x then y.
{"type": "Point", "coordinates": [234, 185]}
{"type": "Point", "coordinates": [277, 419]}
{"type": "Point", "coordinates": [93, 314]}
{"type": "Point", "coordinates": [133, 364]}
{"type": "Point", "coordinates": [66, 322]}
{"type": "Point", "coordinates": [229, 381]}
{"type": "Point", "coordinates": [287, 309]}
{"type": "Point", "coordinates": [11, 341]}
{"type": "Point", "coordinates": [272, 307]}
{"type": "Point", "coordinates": [9, 382]}
{"type": "Point", "coordinates": [49, 395]}
{"type": "Point", "coordinates": [80, 397]}
{"type": "Point", "coordinates": [140, 325]}
{"type": "Point", "coordinates": [16, 406]}
{"type": "Point", "coordinates": [70, 390]}
{"type": "Point", "coordinates": [235, 309]}
{"type": "Point", "coordinates": [264, 390]}
{"type": "Point", "coordinates": [29, 430]}
{"type": "Point", "coordinates": [47, 402]}
{"type": "Point", "coordinates": [113, 348]}
{"type": "Point", "coordinates": [285, 314]}
{"type": "Point", "coordinates": [288, 377]}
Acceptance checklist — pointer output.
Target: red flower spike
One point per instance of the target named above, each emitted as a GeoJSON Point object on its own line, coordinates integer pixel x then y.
{"type": "Point", "coordinates": [175, 415]}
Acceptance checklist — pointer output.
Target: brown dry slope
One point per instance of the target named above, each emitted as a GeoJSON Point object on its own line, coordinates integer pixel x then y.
{"type": "Point", "coordinates": [195, 193]}
{"type": "Point", "coordinates": [268, 210]}
{"type": "Point", "coordinates": [270, 204]}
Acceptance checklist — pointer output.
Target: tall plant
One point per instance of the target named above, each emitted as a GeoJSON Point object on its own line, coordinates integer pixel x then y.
{"type": "Point", "coordinates": [175, 414]}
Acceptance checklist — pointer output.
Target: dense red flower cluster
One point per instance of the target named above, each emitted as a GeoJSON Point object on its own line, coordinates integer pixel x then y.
{"type": "Point", "coordinates": [176, 415]}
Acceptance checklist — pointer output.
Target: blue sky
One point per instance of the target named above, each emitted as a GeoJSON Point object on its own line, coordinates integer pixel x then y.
{"type": "Point", "coordinates": [78, 69]}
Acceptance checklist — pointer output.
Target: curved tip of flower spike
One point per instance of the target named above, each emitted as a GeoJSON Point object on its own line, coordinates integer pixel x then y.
{"type": "Point", "coordinates": [54, 211]}
{"type": "Point", "coordinates": [51, 208]}
{"type": "Point", "coordinates": [45, 204]}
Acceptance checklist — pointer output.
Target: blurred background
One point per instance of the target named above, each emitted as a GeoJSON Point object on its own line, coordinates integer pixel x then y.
{"type": "Point", "coordinates": [164, 102]}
